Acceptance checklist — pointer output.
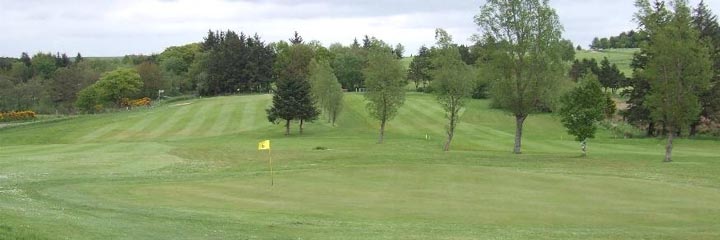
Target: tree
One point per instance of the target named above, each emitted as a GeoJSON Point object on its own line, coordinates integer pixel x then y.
{"type": "Point", "coordinates": [89, 99]}
{"type": "Point", "coordinates": [706, 23]}
{"type": "Point", "coordinates": [119, 84]}
{"type": "Point", "coordinates": [452, 82]}
{"type": "Point", "coordinates": [296, 39]}
{"type": "Point", "coordinates": [419, 71]}
{"type": "Point", "coordinates": [678, 69]}
{"type": "Point", "coordinates": [25, 59]}
{"type": "Point", "coordinates": [152, 79]}
{"type": "Point", "coordinates": [44, 65]}
{"type": "Point", "coordinates": [399, 50]}
{"type": "Point", "coordinates": [326, 89]}
{"type": "Point", "coordinates": [21, 72]}
{"type": "Point", "coordinates": [293, 98]}
{"type": "Point", "coordinates": [235, 63]}
{"type": "Point", "coordinates": [528, 59]}
{"type": "Point", "coordinates": [67, 82]}
{"type": "Point", "coordinates": [385, 86]}
{"type": "Point", "coordinates": [610, 76]}
{"type": "Point", "coordinates": [581, 109]}
{"type": "Point", "coordinates": [181, 56]}
{"type": "Point", "coordinates": [348, 64]}
{"type": "Point", "coordinates": [79, 58]}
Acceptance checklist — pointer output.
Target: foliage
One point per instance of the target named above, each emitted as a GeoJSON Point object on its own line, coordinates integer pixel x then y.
{"type": "Point", "coordinates": [420, 67]}
{"type": "Point", "coordinates": [17, 116]}
{"type": "Point", "coordinates": [44, 65]}
{"type": "Point", "coordinates": [326, 89]}
{"type": "Point", "coordinates": [384, 78]}
{"type": "Point", "coordinates": [177, 59]}
{"type": "Point", "coordinates": [610, 76]}
{"type": "Point", "coordinates": [348, 64]}
{"type": "Point", "coordinates": [236, 63]}
{"type": "Point", "coordinates": [453, 82]}
{"type": "Point", "coordinates": [89, 99]}
{"type": "Point", "coordinates": [678, 69]}
{"type": "Point", "coordinates": [580, 69]}
{"type": "Point", "coordinates": [152, 79]}
{"type": "Point", "coordinates": [528, 58]}
{"type": "Point", "coordinates": [630, 39]}
{"type": "Point", "coordinates": [112, 87]}
{"type": "Point", "coordinates": [67, 82]}
{"type": "Point", "coordinates": [293, 98]}
{"type": "Point", "coordinates": [706, 23]}
{"type": "Point", "coordinates": [582, 108]}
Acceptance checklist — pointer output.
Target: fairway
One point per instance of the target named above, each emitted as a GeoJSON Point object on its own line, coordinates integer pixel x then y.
{"type": "Point", "coordinates": [621, 56]}
{"type": "Point", "coordinates": [191, 170]}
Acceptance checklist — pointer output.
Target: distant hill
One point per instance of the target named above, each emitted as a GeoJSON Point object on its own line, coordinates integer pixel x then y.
{"type": "Point", "coordinates": [620, 56]}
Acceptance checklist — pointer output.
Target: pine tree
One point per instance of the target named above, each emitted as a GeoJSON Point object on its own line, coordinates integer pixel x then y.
{"type": "Point", "coordinates": [78, 58]}
{"type": "Point", "coordinates": [293, 98]}
{"type": "Point", "coordinates": [283, 103]}
{"type": "Point", "coordinates": [706, 23]}
{"type": "Point", "coordinates": [25, 59]}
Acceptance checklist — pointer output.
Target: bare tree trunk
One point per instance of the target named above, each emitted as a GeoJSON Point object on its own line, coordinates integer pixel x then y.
{"type": "Point", "coordinates": [382, 131]}
{"type": "Point", "coordinates": [447, 144]}
{"type": "Point", "coordinates": [519, 120]}
{"type": "Point", "coordinates": [451, 131]}
{"type": "Point", "coordinates": [334, 117]}
{"type": "Point", "coordinates": [583, 145]}
{"type": "Point", "coordinates": [287, 127]}
{"type": "Point", "coordinates": [668, 148]}
{"type": "Point", "coordinates": [301, 126]}
{"type": "Point", "coordinates": [694, 129]}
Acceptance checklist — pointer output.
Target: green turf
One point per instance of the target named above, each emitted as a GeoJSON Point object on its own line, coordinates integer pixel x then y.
{"type": "Point", "coordinates": [621, 56]}
{"type": "Point", "coordinates": [192, 171]}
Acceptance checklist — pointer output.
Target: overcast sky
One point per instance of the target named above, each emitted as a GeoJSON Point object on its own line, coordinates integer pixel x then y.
{"type": "Point", "coordinates": [117, 28]}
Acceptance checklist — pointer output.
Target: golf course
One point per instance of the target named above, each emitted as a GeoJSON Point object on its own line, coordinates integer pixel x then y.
{"type": "Point", "coordinates": [191, 170]}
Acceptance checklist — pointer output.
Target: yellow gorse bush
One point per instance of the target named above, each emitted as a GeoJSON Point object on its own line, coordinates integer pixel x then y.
{"type": "Point", "coordinates": [17, 116]}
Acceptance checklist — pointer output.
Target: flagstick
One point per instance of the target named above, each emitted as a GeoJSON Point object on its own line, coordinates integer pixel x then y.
{"type": "Point", "coordinates": [272, 177]}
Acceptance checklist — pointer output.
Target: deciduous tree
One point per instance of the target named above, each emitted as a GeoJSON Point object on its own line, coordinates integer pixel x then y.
{"type": "Point", "coordinates": [326, 89]}
{"type": "Point", "coordinates": [452, 81]}
{"type": "Point", "coordinates": [582, 108]}
{"type": "Point", "coordinates": [385, 86]}
{"type": "Point", "coordinates": [528, 58]}
{"type": "Point", "coordinates": [678, 69]}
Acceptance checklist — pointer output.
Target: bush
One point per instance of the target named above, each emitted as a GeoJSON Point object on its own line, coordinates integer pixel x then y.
{"type": "Point", "coordinates": [481, 91]}
{"type": "Point", "coordinates": [17, 116]}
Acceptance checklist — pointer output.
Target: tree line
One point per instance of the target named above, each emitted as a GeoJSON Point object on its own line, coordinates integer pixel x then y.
{"type": "Point", "coordinates": [629, 39]}
{"type": "Point", "coordinates": [521, 75]}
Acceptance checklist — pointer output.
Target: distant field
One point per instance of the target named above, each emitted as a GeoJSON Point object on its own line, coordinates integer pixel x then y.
{"type": "Point", "coordinates": [622, 57]}
{"type": "Point", "coordinates": [191, 170]}
{"type": "Point", "coordinates": [406, 61]}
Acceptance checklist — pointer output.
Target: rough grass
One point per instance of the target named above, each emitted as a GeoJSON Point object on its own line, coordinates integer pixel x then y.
{"type": "Point", "coordinates": [191, 171]}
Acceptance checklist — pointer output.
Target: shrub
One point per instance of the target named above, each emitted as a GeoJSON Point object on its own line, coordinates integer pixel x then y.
{"type": "Point", "coordinates": [17, 116]}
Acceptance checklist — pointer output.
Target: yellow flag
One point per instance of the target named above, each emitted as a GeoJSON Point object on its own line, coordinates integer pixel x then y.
{"type": "Point", "coordinates": [264, 145]}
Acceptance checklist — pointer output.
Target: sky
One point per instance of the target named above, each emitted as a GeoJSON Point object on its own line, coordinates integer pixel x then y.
{"type": "Point", "coordinates": [121, 27]}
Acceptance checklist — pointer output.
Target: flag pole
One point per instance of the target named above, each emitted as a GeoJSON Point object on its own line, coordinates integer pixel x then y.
{"type": "Point", "coordinates": [272, 177]}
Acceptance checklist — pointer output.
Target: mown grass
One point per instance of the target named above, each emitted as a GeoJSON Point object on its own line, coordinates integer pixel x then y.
{"type": "Point", "coordinates": [190, 170]}
{"type": "Point", "coordinates": [621, 56]}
